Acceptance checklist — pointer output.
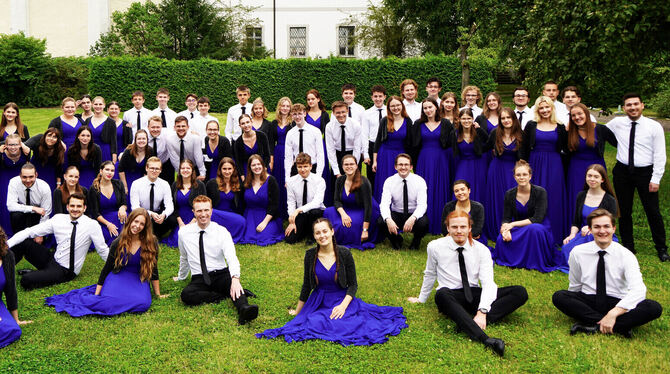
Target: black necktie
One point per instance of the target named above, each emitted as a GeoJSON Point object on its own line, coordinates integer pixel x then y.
{"type": "Point", "coordinates": [163, 118]}
{"type": "Point", "coordinates": [191, 115]}
{"type": "Point", "coordinates": [380, 114]}
{"type": "Point", "coordinates": [151, 198]}
{"type": "Point", "coordinates": [304, 192]}
{"type": "Point", "coordinates": [28, 196]}
{"type": "Point", "coordinates": [631, 146]}
{"type": "Point", "coordinates": [300, 141]}
{"type": "Point", "coordinates": [181, 151]}
{"type": "Point", "coordinates": [405, 198]}
{"type": "Point", "coordinates": [138, 120]}
{"type": "Point", "coordinates": [464, 275]}
{"type": "Point", "coordinates": [349, 112]}
{"type": "Point", "coordinates": [72, 237]}
{"type": "Point", "coordinates": [343, 140]}
{"type": "Point", "coordinates": [156, 146]}
{"type": "Point", "coordinates": [601, 286]}
{"type": "Point", "coordinates": [520, 115]}
{"type": "Point", "coordinates": [244, 109]}
{"type": "Point", "coordinates": [203, 264]}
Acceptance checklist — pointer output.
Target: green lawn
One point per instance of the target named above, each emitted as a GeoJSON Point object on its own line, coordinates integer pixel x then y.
{"type": "Point", "coordinates": [171, 337]}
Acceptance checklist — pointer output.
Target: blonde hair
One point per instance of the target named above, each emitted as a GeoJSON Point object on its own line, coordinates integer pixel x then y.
{"type": "Point", "coordinates": [545, 99]}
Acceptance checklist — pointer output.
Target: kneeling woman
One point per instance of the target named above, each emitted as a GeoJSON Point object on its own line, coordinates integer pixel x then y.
{"type": "Point", "coordinates": [332, 312]}
{"type": "Point", "coordinates": [353, 208]}
{"type": "Point", "coordinates": [462, 203]}
{"type": "Point", "coordinates": [525, 239]}
{"type": "Point", "coordinates": [184, 190]}
{"type": "Point", "coordinates": [261, 196]}
{"type": "Point", "coordinates": [133, 262]}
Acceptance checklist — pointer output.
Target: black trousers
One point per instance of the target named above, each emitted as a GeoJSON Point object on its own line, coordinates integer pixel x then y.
{"type": "Point", "coordinates": [167, 172]}
{"type": "Point", "coordinates": [582, 307]}
{"type": "Point", "coordinates": [197, 292]}
{"type": "Point", "coordinates": [420, 229]}
{"type": "Point", "coordinates": [368, 168]}
{"type": "Point", "coordinates": [48, 273]}
{"type": "Point", "coordinates": [20, 220]}
{"type": "Point", "coordinates": [169, 224]}
{"type": "Point", "coordinates": [303, 224]}
{"type": "Point", "coordinates": [452, 303]}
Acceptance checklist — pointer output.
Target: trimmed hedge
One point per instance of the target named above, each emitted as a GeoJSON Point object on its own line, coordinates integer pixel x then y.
{"type": "Point", "coordinates": [116, 78]}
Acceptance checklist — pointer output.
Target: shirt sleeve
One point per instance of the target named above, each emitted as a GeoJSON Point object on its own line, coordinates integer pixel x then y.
{"type": "Point", "coordinates": [421, 199]}
{"type": "Point", "coordinates": [288, 156]}
{"type": "Point", "coordinates": [365, 133]}
{"type": "Point", "coordinates": [229, 125]}
{"type": "Point", "coordinates": [229, 254]}
{"type": "Point", "coordinates": [429, 274]}
{"type": "Point", "coordinates": [46, 203]}
{"type": "Point", "coordinates": [320, 155]}
{"type": "Point", "coordinates": [385, 204]}
{"type": "Point", "coordinates": [41, 229]}
{"type": "Point", "coordinates": [135, 196]}
{"type": "Point", "coordinates": [575, 274]}
{"type": "Point", "coordinates": [99, 240]}
{"type": "Point", "coordinates": [330, 148]}
{"type": "Point", "coordinates": [183, 260]}
{"type": "Point", "coordinates": [197, 154]}
{"type": "Point", "coordinates": [489, 287]}
{"type": "Point", "coordinates": [659, 156]}
{"type": "Point", "coordinates": [290, 197]}
{"type": "Point", "coordinates": [167, 199]}
{"type": "Point", "coordinates": [637, 291]}
{"type": "Point", "coordinates": [13, 204]}
{"type": "Point", "coordinates": [358, 142]}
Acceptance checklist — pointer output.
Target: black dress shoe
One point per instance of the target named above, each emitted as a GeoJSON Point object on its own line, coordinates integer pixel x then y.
{"type": "Point", "coordinates": [626, 334]}
{"type": "Point", "coordinates": [586, 329]}
{"type": "Point", "coordinates": [23, 272]}
{"type": "Point", "coordinates": [663, 256]}
{"type": "Point", "coordinates": [497, 345]}
{"type": "Point", "coordinates": [247, 313]}
{"type": "Point", "coordinates": [248, 293]}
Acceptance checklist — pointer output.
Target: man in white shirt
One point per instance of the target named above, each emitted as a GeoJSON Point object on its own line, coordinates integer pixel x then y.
{"type": "Point", "coordinates": [404, 203]}
{"type": "Point", "coordinates": [191, 107]}
{"type": "Point", "coordinates": [158, 142]}
{"type": "Point", "coordinates": [138, 117]}
{"type": "Point", "coordinates": [571, 97]}
{"type": "Point", "coordinates": [550, 90]}
{"type": "Point", "coordinates": [303, 138]}
{"type": "Point", "coordinates": [606, 291]}
{"type": "Point", "coordinates": [370, 127]}
{"type": "Point", "coordinates": [471, 96]}
{"type": "Point", "coordinates": [408, 91]}
{"type": "Point", "coordinates": [181, 145]}
{"type": "Point", "coordinates": [198, 125]}
{"type": "Point", "coordinates": [28, 199]}
{"type": "Point", "coordinates": [521, 97]}
{"type": "Point", "coordinates": [233, 130]}
{"type": "Point", "coordinates": [356, 110]}
{"type": "Point", "coordinates": [73, 232]}
{"type": "Point", "coordinates": [343, 136]}
{"type": "Point", "coordinates": [460, 264]}
{"type": "Point", "coordinates": [304, 198]}
{"type": "Point", "coordinates": [640, 166]}
{"type": "Point", "coordinates": [433, 88]}
{"type": "Point", "coordinates": [154, 194]}
{"type": "Point", "coordinates": [166, 114]}
{"type": "Point", "coordinates": [207, 250]}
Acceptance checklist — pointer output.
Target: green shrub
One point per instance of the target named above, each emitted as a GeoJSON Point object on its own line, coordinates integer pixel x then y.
{"type": "Point", "coordinates": [661, 103]}
{"type": "Point", "coordinates": [68, 77]}
{"type": "Point", "coordinates": [24, 64]}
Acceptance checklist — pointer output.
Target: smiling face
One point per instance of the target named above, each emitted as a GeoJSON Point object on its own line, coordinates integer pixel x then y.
{"type": "Point", "coordinates": [203, 108]}
{"type": "Point", "coordinates": [544, 110]}
{"type": "Point", "coordinates": [13, 147]}
{"type": "Point", "coordinates": [191, 103]}
{"type": "Point", "coordinates": [396, 107]}
{"type": "Point", "coordinates": [593, 178]}
{"type": "Point", "coordinates": [323, 234]}
{"type": "Point", "coordinates": [602, 229]}
{"type": "Point", "coordinates": [98, 106]}
{"type": "Point", "coordinates": [403, 166]}
{"type": "Point", "coordinates": [185, 170]}
{"type": "Point", "coordinates": [69, 108]}
{"type": "Point", "coordinates": [570, 98]}
{"type": "Point", "coordinates": [578, 116]}
{"type": "Point", "coordinates": [433, 89]}
{"type": "Point", "coordinates": [465, 121]}
{"type": "Point", "coordinates": [212, 130]}
{"type": "Point", "coordinates": [84, 138]}
{"type": "Point", "coordinates": [304, 169]}
{"type": "Point", "coordinates": [256, 167]}
{"type": "Point", "coordinates": [462, 192]}
{"type": "Point", "coordinates": [258, 110]}
{"type": "Point", "coordinates": [71, 177]}
{"type": "Point", "coordinates": [141, 140]}
{"type": "Point", "coordinates": [521, 98]}
{"type": "Point", "coordinates": [522, 176]}
{"type": "Point", "coordinates": [341, 113]}
{"type": "Point", "coordinates": [506, 120]}
{"type": "Point", "coordinates": [429, 110]}
{"type": "Point", "coordinates": [155, 128]}
{"type": "Point", "coordinates": [349, 166]}
{"type": "Point", "coordinates": [153, 170]}
{"type": "Point", "coordinates": [203, 213]}
{"type": "Point", "coordinates": [138, 102]}
{"type": "Point", "coordinates": [108, 172]}
{"type": "Point", "coordinates": [76, 208]}
{"type": "Point", "coordinates": [10, 114]}
{"type": "Point", "coordinates": [50, 139]}
{"type": "Point", "coordinates": [492, 103]}
{"type": "Point", "coordinates": [448, 104]}
{"type": "Point", "coordinates": [180, 128]}
{"type": "Point", "coordinates": [471, 98]}
{"type": "Point", "coordinates": [137, 225]}
{"type": "Point", "coordinates": [226, 170]}
{"type": "Point", "coordinates": [378, 99]}
{"type": "Point", "coordinates": [162, 99]}
{"type": "Point", "coordinates": [348, 96]}
{"type": "Point", "coordinates": [28, 177]}
{"type": "Point", "coordinates": [113, 110]}
{"type": "Point", "coordinates": [459, 229]}
{"type": "Point", "coordinates": [298, 117]}
{"type": "Point", "coordinates": [409, 92]}
{"type": "Point", "coordinates": [285, 108]}
{"type": "Point", "coordinates": [245, 125]}
{"type": "Point", "coordinates": [633, 107]}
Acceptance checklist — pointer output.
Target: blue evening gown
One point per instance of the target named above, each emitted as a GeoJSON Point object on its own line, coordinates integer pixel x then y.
{"type": "Point", "coordinates": [351, 236]}
{"type": "Point", "coordinates": [580, 160]}
{"type": "Point", "coordinates": [255, 212]}
{"type": "Point", "coordinates": [278, 170]}
{"type": "Point", "coordinates": [185, 211]}
{"type": "Point", "coordinates": [224, 214]}
{"type": "Point", "coordinates": [110, 211]}
{"type": "Point", "coordinates": [433, 166]}
{"type": "Point", "coordinates": [471, 168]}
{"type": "Point", "coordinates": [327, 175]}
{"type": "Point", "coordinates": [9, 329]}
{"type": "Point", "coordinates": [500, 178]}
{"type": "Point", "coordinates": [388, 150]}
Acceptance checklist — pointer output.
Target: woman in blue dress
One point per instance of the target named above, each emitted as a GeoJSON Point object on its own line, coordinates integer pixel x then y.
{"type": "Point", "coordinates": [67, 123]}
{"type": "Point", "coordinates": [216, 148]}
{"type": "Point", "coordinates": [525, 239]}
{"type": "Point", "coordinates": [85, 155]}
{"type": "Point", "coordinates": [70, 186]}
{"type": "Point", "coordinates": [9, 314]}
{"type": "Point", "coordinates": [490, 117]}
{"type": "Point", "coordinates": [123, 285]}
{"type": "Point", "coordinates": [392, 140]}
{"type": "Point", "coordinates": [449, 112]}
{"type": "Point", "coordinates": [261, 196]}
{"type": "Point", "coordinates": [48, 156]}
{"type": "Point", "coordinates": [184, 190]}
{"type": "Point", "coordinates": [107, 202]}
{"type": "Point", "coordinates": [597, 193]}
{"type": "Point", "coordinates": [469, 143]}
{"type": "Point", "coordinates": [462, 203]}
{"type": "Point", "coordinates": [251, 142]}
{"type": "Point", "coordinates": [543, 141]}
{"type": "Point", "coordinates": [124, 131]}
{"type": "Point", "coordinates": [318, 117]}
{"type": "Point", "coordinates": [355, 212]}
{"type": "Point", "coordinates": [103, 129]}
{"type": "Point", "coordinates": [328, 308]}
{"type": "Point", "coordinates": [429, 138]}
{"type": "Point", "coordinates": [11, 123]}
{"type": "Point", "coordinates": [227, 197]}
{"type": "Point", "coordinates": [505, 143]}
{"type": "Point", "coordinates": [86, 105]}
{"type": "Point", "coordinates": [12, 159]}
{"type": "Point", "coordinates": [259, 119]}
{"type": "Point", "coordinates": [277, 139]}
{"type": "Point", "coordinates": [132, 165]}
{"type": "Point", "coordinates": [586, 146]}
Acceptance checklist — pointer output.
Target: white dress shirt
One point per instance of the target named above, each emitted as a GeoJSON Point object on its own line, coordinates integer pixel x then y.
{"type": "Point", "coordinates": [622, 273]}
{"type": "Point", "coordinates": [357, 111]}
{"type": "Point", "coordinates": [40, 196]}
{"type": "Point", "coordinates": [219, 250]}
{"type": "Point", "coordinates": [316, 188]}
{"type": "Point", "coordinates": [476, 111]}
{"type": "Point", "coordinates": [233, 130]}
{"type": "Point", "coordinates": [199, 124]}
{"type": "Point", "coordinates": [413, 109]}
{"type": "Point", "coordinates": [352, 134]}
{"type": "Point", "coordinates": [370, 126]}
{"type": "Point", "coordinates": [60, 226]}
{"type": "Point", "coordinates": [188, 114]}
{"type": "Point", "coordinates": [649, 144]}
{"type": "Point", "coordinates": [192, 150]}
{"type": "Point", "coordinates": [528, 115]}
{"type": "Point", "coordinates": [392, 196]}
{"type": "Point", "coordinates": [161, 145]}
{"type": "Point", "coordinates": [442, 263]}
{"type": "Point", "coordinates": [170, 116]}
{"type": "Point", "coordinates": [139, 195]}
{"type": "Point", "coordinates": [312, 144]}
{"type": "Point", "coordinates": [130, 116]}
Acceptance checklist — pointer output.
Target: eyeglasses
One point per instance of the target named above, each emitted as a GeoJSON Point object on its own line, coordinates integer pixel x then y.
{"type": "Point", "coordinates": [154, 169]}
{"type": "Point", "coordinates": [521, 95]}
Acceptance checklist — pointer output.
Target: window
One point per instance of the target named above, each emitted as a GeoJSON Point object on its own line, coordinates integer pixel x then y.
{"type": "Point", "coordinates": [345, 40]}
{"type": "Point", "coordinates": [297, 41]}
{"type": "Point", "coordinates": [254, 37]}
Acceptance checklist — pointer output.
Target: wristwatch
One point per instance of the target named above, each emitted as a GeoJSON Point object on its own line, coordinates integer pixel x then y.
{"type": "Point", "coordinates": [484, 310]}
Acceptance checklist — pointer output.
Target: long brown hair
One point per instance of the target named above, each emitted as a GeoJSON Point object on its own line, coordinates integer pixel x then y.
{"type": "Point", "coordinates": [75, 150]}
{"type": "Point", "coordinates": [98, 178]}
{"type": "Point", "coordinates": [64, 192]}
{"type": "Point", "coordinates": [234, 181]}
{"type": "Point", "coordinates": [573, 129]}
{"type": "Point", "coordinates": [316, 257]}
{"type": "Point", "coordinates": [500, 131]}
{"type": "Point", "coordinates": [390, 118]}
{"type": "Point", "coordinates": [20, 127]}
{"type": "Point", "coordinates": [149, 250]}
{"type": "Point", "coordinates": [134, 149]}
{"type": "Point", "coordinates": [248, 180]}
{"type": "Point", "coordinates": [486, 111]}
{"type": "Point", "coordinates": [3, 243]}
{"type": "Point", "coordinates": [58, 148]}
{"type": "Point", "coordinates": [454, 111]}
{"type": "Point", "coordinates": [180, 178]}
{"type": "Point", "coordinates": [606, 185]}
{"type": "Point", "coordinates": [357, 181]}
{"type": "Point", "coordinates": [459, 126]}
{"type": "Point", "coordinates": [316, 94]}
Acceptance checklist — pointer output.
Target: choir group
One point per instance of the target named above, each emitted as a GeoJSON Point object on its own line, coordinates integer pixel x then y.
{"type": "Point", "coordinates": [530, 179]}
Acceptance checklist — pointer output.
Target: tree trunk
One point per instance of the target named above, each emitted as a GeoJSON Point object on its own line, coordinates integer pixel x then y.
{"type": "Point", "coordinates": [465, 65]}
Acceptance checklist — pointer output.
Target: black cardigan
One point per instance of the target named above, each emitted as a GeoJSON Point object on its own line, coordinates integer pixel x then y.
{"type": "Point", "coordinates": [529, 139]}
{"type": "Point", "coordinates": [24, 138]}
{"type": "Point", "coordinates": [416, 140]}
{"type": "Point", "coordinates": [491, 145]}
{"type": "Point", "coordinates": [110, 266]}
{"type": "Point", "coordinates": [603, 134]}
{"type": "Point", "coordinates": [34, 144]}
{"type": "Point", "coordinates": [223, 149]}
{"type": "Point", "coordinates": [346, 272]}
{"type": "Point", "coordinates": [363, 195]}
{"type": "Point", "coordinates": [58, 206]}
{"type": "Point", "coordinates": [8, 266]}
{"type": "Point", "coordinates": [240, 153]}
{"type": "Point", "coordinates": [383, 134]}
{"type": "Point", "coordinates": [93, 201]}
{"type": "Point", "coordinates": [56, 123]}
{"type": "Point", "coordinates": [483, 122]}
{"type": "Point", "coordinates": [536, 205]}
{"type": "Point", "coordinates": [273, 197]}
{"type": "Point", "coordinates": [196, 189]}
{"type": "Point", "coordinates": [608, 203]}
{"type": "Point", "coordinates": [108, 135]}
{"type": "Point", "coordinates": [478, 144]}
{"type": "Point", "coordinates": [212, 188]}
{"type": "Point", "coordinates": [94, 157]}
{"type": "Point", "coordinates": [128, 163]}
{"type": "Point", "coordinates": [273, 134]}
{"type": "Point", "coordinates": [476, 213]}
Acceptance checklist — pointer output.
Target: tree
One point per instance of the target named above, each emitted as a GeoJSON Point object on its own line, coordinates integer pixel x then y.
{"type": "Point", "coordinates": [24, 66]}
{"type": "Point", "coordinates": [381, 32]}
